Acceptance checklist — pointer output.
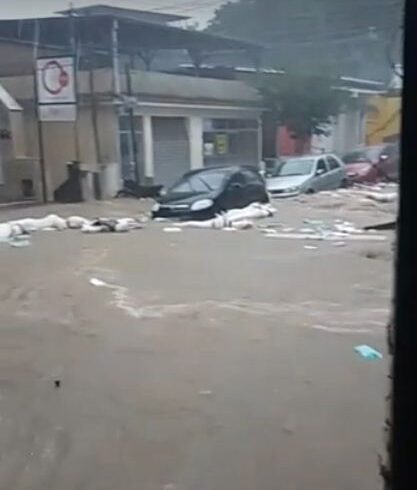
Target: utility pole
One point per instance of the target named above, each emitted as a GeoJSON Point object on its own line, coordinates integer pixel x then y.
{"type": "Point", "coordinates": [131, 114]}
{"type": "Point", "coordinates": [74, 50]}
{"type": "Point", "coordinates": [115, 57]}
{"type": "Point", "coordinates": [41, 146]}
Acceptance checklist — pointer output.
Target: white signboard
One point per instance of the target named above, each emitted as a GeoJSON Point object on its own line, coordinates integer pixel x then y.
{"type": "Point", "coordinates": [57, 113]}
{"type": "Point", "coordinates": [56, 80]}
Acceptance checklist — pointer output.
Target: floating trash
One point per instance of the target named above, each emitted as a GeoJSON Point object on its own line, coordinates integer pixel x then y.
{"type": "Point", "coordinates": [368, 352]}
{"type": "Point", "coordinates": [97, 282]}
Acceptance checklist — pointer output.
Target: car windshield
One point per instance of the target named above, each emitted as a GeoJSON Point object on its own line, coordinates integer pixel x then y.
{"type": "Point", "coordinates": [365, 155]}
{"type": "Point", "coordinates": [201, 182]}
{"type": "Point", "coordinates": [295, 167]}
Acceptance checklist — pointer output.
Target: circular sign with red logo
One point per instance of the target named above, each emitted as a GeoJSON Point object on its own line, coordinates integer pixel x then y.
{"type": "Point", "coordinates": [54, 77]}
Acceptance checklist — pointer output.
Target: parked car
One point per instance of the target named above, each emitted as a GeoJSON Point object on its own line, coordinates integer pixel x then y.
{"type": "Point", "coordinates": [270, 165]}
{"type": "Point", "coordinates": [373, 163]}
{"type": "Point", "coordinates": [201, 194]}
{"type": "Point", "coordinates": [307, 174]}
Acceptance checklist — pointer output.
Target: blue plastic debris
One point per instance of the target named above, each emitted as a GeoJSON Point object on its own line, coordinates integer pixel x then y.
{"type": "Point", "coordinates": [368, 352]}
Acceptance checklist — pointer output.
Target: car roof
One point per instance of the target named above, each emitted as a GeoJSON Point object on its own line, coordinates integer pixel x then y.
{"type": "Point", "coordinates": [368, 148]}
{"type": "Point", "coordinates": [231, 169]}
{"type": "Point", "coordinates": [310, 156]}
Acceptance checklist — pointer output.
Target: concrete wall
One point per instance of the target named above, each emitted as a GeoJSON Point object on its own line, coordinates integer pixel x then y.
{"type": "Point", "coordinates": [14, 166]}
{"type": "Point", "coordinates": [346, 133]}
{"type": "Point", "coordinates": [108, 133]}
{"type": "Point", "coordinates": [158, 95]}
{"type": "Point", "coordinates": [383, 120]}
{"type": "Point", "coordinates": [179, 87]}
{"type": "Point", "coordinates": [59, 148]}
{"type": "Point", "coordinates": [64, 142]}
{"type": "Point", "coordinates": [15, 171]}
{"type": "Point", "coordinates": [17, 58]}
{"type": "Point", "coordinates": [195, 135]}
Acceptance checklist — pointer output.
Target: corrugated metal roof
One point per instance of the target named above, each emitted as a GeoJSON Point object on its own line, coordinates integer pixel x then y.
{"type": "Point", "coordinates": [124, 13]}
{"type": "Point", "coordinates": [134, 34]}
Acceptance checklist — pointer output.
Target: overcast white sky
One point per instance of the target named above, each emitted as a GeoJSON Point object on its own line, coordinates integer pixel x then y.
{"type": "Point", "coordinates": [200, 10]}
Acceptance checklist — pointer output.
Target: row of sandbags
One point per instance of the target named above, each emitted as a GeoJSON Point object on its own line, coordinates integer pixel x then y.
{"type": "Point", "coordinates": [236, 218]}
{"type": "Point", "coordinates": [25, 226]}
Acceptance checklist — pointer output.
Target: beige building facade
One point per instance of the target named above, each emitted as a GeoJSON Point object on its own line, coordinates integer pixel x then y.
{"type": "Point", "coordinates": [178, 120]}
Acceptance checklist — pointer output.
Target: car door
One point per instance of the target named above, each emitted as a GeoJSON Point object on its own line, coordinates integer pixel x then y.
{"type": "Point", "coordinates": [336, 173]}
{"type": "Point", "coordinates": [255, 190]}
{"type": "Point", "coordinates": [234, 194]}
{"type": "Point", "coordinates": [320, 180]}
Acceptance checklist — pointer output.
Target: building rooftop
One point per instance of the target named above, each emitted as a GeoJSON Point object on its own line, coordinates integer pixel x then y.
{"type": "Point", "coordinates": [124, 13]}
{"type": "Point", "coordinates": [95, 31]}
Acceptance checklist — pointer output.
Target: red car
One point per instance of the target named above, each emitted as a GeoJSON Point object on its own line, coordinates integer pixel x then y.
{"type": "Point", "coordinates": [373, 164]}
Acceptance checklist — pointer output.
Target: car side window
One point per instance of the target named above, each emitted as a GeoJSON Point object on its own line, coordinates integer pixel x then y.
{"type": "Point", "coordinates": [333, 163]}
{"type": "Point", "coordinates": [390, 151]}
{"type": "Point", "coordinates": [321, 166]}
{"type": "Point", "coordinates": [237, 179]}
{"type": "Point", "coordinates": [252, 177]}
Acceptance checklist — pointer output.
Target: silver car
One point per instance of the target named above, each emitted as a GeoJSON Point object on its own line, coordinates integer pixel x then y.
{"type": "Point", "coordinates": [306, 174]}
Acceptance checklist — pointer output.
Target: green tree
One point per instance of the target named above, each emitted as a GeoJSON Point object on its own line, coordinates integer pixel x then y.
{"type": "Point", "coordinates": [348, 37]}
{"type": "Point", "coordinates": [304, 104]}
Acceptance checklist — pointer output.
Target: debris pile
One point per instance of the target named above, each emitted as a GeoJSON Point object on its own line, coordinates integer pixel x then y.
{"type": "Point", "coordinates": [357, 195]}
{"type": "Point", "coordinates": [13, 232]}
{"type": "Point", "coordinates": [111, 225]}
{"type": "Point", "coordinates": [337, 231]}
{"type": "Point", "coordinates": [235, 219]}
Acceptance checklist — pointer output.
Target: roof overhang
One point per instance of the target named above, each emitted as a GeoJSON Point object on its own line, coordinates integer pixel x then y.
{"type": "Point", "coordinates": [124, 13]}
{"type": "Point", "coordinates": [134, 35]}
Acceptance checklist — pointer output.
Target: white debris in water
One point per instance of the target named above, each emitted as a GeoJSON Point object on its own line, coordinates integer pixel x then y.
{"type": "Point", "coordinates": [76, 222]}
{"type": "Point", "coordinates": [52, 222]}
{"type": "Point", "coordinates": [97, 282]}
{"type": "Point", "coordinates": [18, 243]}
{"type": "Point", "coordinates": [382, 197]}
{"type": "Point", "coordinates": [239, 219]}
{"type": "Point", "coordinates": [328, 237]}
{"type": "Point", "coordinates": [172, 229]}
{"type": "Point", "coordinates": [29, 225]}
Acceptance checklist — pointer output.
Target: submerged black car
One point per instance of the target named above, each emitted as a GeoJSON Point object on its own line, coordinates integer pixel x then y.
{"type": "Point", "coordinates": [201, 194]}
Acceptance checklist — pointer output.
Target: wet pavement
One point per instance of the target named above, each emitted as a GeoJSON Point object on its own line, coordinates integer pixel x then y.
{"type": "Point", "coordinates": [200, 360]}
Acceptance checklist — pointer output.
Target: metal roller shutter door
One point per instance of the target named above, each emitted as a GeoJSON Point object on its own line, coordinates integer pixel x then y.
{"type": "Point", "coordinates": [171, 149]}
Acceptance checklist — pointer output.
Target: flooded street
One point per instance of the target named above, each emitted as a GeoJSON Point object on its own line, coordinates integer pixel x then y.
{"type": "Point", "coordinates": [197, 360]}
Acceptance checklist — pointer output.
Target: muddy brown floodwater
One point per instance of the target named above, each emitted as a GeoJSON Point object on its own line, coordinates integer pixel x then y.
{"type": "Point", "coordinates": [206, 361]}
